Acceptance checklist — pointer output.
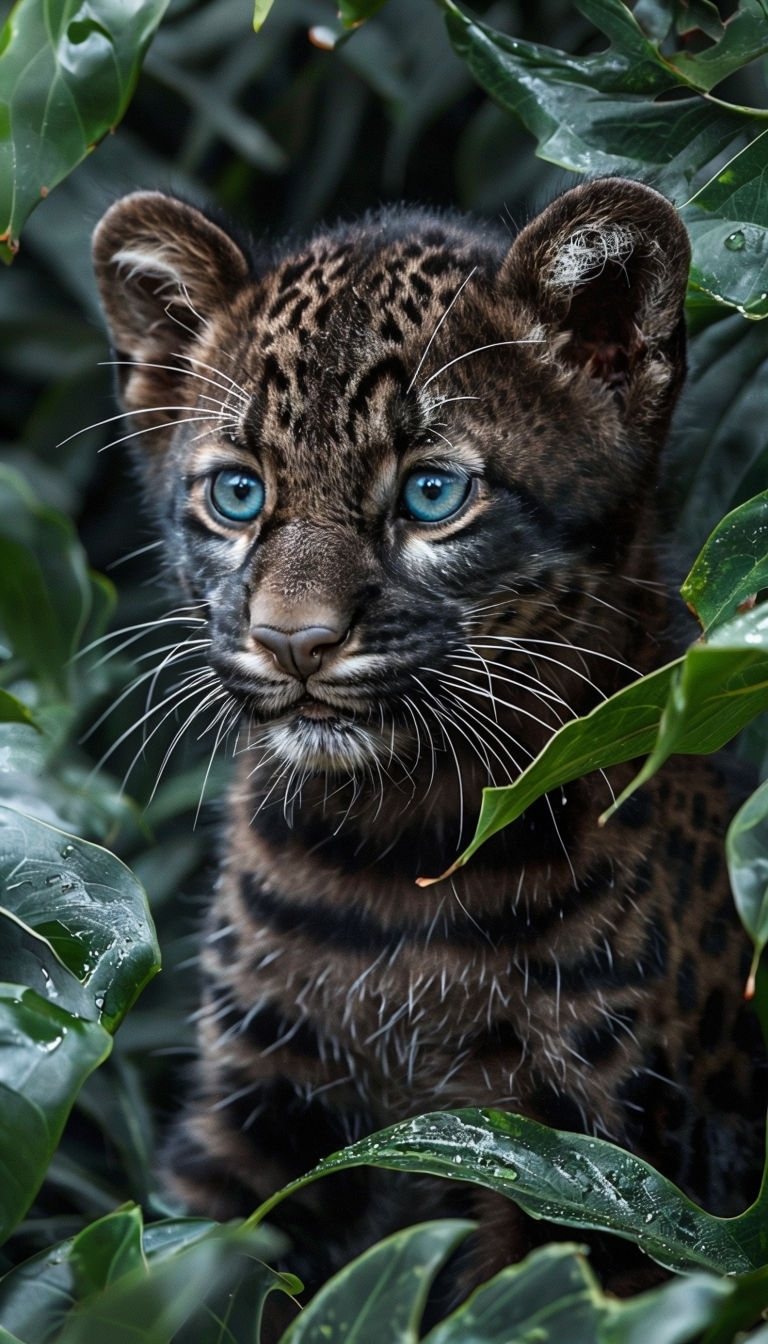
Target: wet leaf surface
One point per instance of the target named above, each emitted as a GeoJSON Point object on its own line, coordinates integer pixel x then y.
{"type": "Point", "coordinates": [67, 72]}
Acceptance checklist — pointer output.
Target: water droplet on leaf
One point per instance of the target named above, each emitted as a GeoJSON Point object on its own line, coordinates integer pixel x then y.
{"type": "Point", "coordinates": [736, 242]}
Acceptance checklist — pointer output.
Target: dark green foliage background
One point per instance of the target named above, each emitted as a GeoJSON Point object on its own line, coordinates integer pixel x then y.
{"type": "Point", "coordinates": [277, 132]}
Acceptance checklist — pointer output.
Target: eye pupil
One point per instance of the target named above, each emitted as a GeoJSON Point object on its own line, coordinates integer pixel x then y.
{"type": "Point", "coordinates": [433, 496]}
{"type": "Point", "coordinates": [236, 494]}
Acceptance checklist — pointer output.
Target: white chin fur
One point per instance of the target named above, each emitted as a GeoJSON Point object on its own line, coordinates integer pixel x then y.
{"type": "Point", "coordinates": [334, 745]}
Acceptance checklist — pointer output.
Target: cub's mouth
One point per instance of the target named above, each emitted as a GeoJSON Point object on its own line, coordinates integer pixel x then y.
{"type": "Point", "coordinates": [322, 738]}
{"type": "Point", "coordinates": [318, 712]}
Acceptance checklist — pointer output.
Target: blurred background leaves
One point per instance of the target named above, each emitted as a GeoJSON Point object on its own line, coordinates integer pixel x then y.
{"type": "Point", "coordinates": [279, 128]}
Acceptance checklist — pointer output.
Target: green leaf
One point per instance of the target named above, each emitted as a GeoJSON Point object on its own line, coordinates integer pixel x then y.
{"type": "Point", "coordinates": [38, 776]}
{"type": "Point", "coordinates": [197, 1287]}
{"type": "Point", "coordinates": [674, 1314]}
{"type": "Point", "coordinates": [617, 730]}
{"type": "Point", "coordinates": [45, 1056]}
{"type": "Point", "coordinates": [719, 450]}
{"type": "Point", "coordinates": [261, 10]}
{"type": "Point", "coordinates": [380, 1297]}
{"type": "Point", "coordinates": [567, 1178]}
{"type": "Point", "coordinates": [549, 1292]}
{"type": "Point", "coordinates": [732, 565]}
{"type": "Point", "coordinates": [107, 1249]}
{"type": "Point", "coordinates": [36, 1296]}
{"type": "Point", "coordinates": [600, 114]}
{"type": "Point", "coordinates": [716, 691]}
{"type": "Point", "coordinates": [68, 69]}
{"type": "Point", "coordinates": [693, 705]}
{"type": "Point", "coordinates": [354, 12]}
{"type": "Point", "coordinates": [13, 710]}
{"type": "Point", "coordinates": [743, 38]}
{"type": "Point", "coordinates": [747, 854]}
{"type": "Point", "coordinates": [728, 223]}
{"type": "Point", "coordinates": [746, 1304]}
{"type": "Point", "coordinates": [597, 113]}
{"type": "Point", "coordinates": [74, 921]}
{"type": "Point", "coordinates": [48, 597]}
{"type": "Point", "coordinates": [118, 1281]}
{"type": "Point", "coordinates": [553, 1294]}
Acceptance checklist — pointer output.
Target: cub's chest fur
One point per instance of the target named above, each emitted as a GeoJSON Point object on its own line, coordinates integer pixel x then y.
{"type": "Point", "coordinates": [405, 472]}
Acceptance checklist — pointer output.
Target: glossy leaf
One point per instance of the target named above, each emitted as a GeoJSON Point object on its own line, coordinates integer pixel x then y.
{"type": "Point", "coordinates": [551, 1291]}
{"type": "Point", "coordinates": [600, 114]}
{"type": "Point", "coordinates": [732, 565]}
{"type": "Point", "coordinates": [119, 1281]}
{"type": "Point", "coordinates": [719, 687]}
{"type": "Point", "coordinates": [693, 705]}
{"type": "Point", "coordinates": [37, 1295]}
{"type": "Point", "coordinates": [74, 922]}
{"type": "Point", "coordinates": [107, 1249]}
{"type": "Point", "coordinates": [747, 854]}
{"type": "Point", "coordinates": [741, 40]}
{"type": "Point", "coordinates": [728, 223]}
{"type": "Point", "coordinates": [567, 1178]}
{"type": "Point", "coordinates": [46, 1054]}
{"type": "Point", "coordinates": [67, 72]}
{"type": "Point", "coordinates": [380, 1297]}
{"type": "Point", "coordinates": [554, 1295]}
{"type": "Point", "coordinates": [195, 1288]}
{"type": "Point", "coordinates": [551, 1294]}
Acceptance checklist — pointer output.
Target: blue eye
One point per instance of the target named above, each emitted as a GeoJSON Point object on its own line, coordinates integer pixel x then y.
{"type": "Point", "coordinates": [237, 494]}
{"type": "Point", "coordinates": [432, 496]}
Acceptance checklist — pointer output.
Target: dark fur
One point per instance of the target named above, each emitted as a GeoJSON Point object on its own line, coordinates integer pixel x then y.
{"type": "Point", "coordinates": [589, 977]}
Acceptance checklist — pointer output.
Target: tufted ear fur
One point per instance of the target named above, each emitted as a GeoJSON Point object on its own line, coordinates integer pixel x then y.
{"type": "Point", "coordinates": [164, 271]}
{"type": "Point", "coordinates": [604, 270]}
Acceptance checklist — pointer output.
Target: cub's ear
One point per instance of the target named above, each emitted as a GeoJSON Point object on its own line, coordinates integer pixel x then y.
{"type": "Point", "coordinates": [164, 270]}
{"type": "Point", "coordinates": [605, 268]}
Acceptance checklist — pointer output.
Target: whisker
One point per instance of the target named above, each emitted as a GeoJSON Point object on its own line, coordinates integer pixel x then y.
{"type": "Point", "coordinates": [450, 745]}
{"type": "Point", "coordinates": [130, 415]}
{"type": "Point", "coordinates": [133, 555]}
{"type": "Point", "coordinates": [228, 387]}
{"type": "Point", "coordinates": [478, 350]}
{"type": "Point", "coordinates": [443, 317]}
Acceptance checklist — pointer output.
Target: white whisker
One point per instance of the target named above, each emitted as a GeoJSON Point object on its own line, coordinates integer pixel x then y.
{"type": "Point", "coordinates": [443, 317]}
{"type": "Point", "coordinates": [478, 350]}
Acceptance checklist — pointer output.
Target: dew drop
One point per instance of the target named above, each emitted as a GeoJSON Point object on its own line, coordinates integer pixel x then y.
{"type": "Point", "coordinates": [99, 1001]}
{"type": "Point", "coordinates": [457, 1159]}
{"type": "Point", "coordinates": [648, 1218]}
{"type": "Point", "coordinates": [505, 1173]}
{"type": "Point", "coordinates": [67, 850]}
{"type": "Point", "coordinates": [736, 242]}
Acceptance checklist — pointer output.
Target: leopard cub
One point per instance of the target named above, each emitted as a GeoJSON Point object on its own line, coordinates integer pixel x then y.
{"type": "Point", "coordinates": [405, 473]}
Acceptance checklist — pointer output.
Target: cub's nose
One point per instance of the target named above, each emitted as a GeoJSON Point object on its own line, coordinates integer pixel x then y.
{"type": "Point", "coordinates": [298, 652]}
